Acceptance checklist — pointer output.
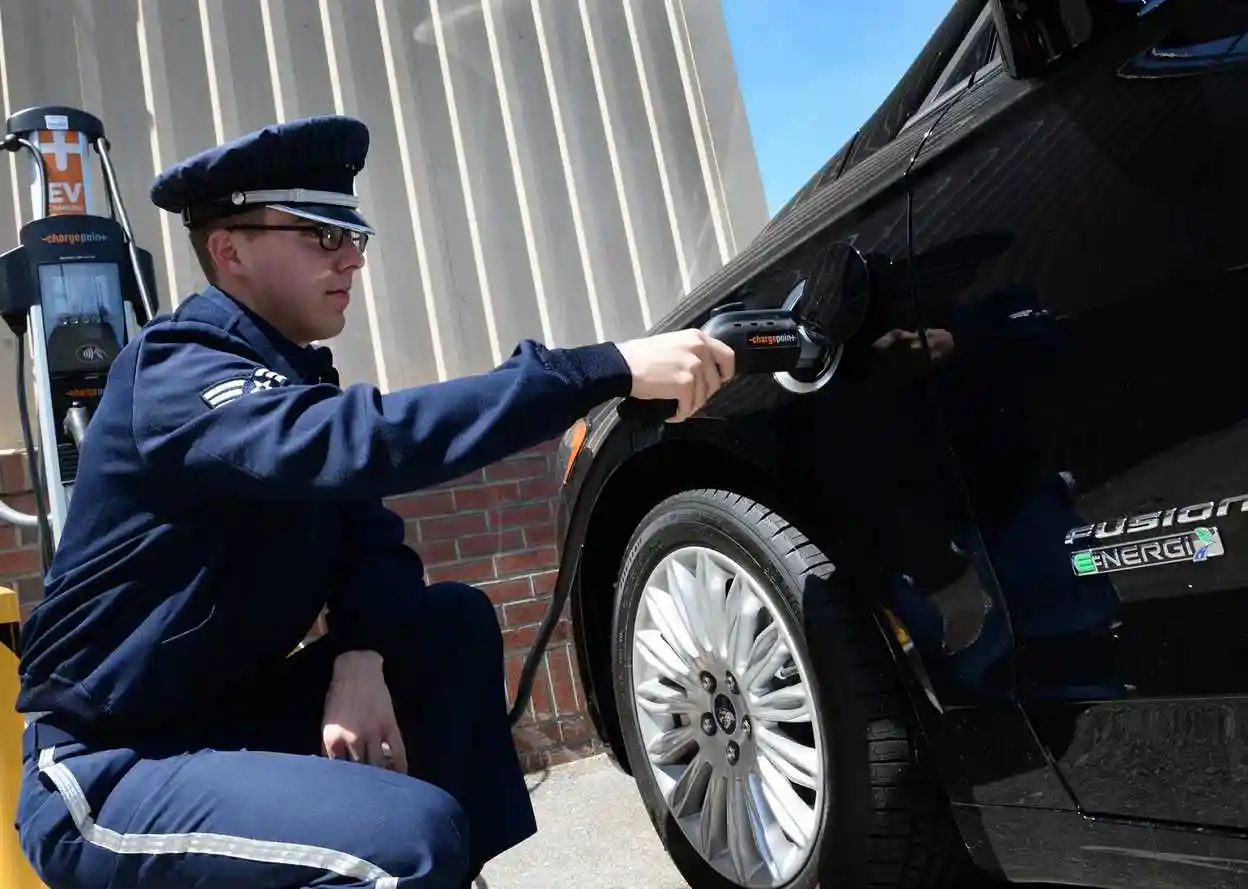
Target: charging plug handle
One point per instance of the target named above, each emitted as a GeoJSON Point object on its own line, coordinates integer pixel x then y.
{"type": "Point", "coordinates": [763, 341]}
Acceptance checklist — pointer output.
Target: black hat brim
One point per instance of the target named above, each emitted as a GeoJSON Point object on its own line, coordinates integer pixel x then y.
{"type": "Point", "coordinates": [330, 214]}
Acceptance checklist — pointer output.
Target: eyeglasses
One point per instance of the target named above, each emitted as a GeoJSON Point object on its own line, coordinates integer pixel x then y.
{"type": "Point", "coordinates": [330, 235]}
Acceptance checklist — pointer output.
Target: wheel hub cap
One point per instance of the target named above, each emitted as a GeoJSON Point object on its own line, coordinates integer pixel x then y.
{"type": "Point", "coordinates": [728, 717]}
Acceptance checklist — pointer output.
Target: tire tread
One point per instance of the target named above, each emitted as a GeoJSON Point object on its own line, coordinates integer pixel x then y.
{"type": "Point", "coordinates": [903, 788]}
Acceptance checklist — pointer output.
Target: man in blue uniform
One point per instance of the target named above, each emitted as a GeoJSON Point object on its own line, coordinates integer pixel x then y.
{"type": "Point", "coordinates": [228, 490]}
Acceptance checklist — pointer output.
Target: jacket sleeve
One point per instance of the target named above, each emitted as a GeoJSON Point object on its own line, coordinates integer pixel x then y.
{"type": "Point", "coordinates": [207, 412]}
{"type": "Point", "coordinates": [378, 569]}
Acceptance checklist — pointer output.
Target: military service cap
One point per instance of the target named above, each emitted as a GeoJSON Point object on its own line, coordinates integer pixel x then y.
{"type": "Point", "coordinates": [304, 167]}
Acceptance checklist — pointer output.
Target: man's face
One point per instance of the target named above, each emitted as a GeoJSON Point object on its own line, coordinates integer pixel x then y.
{"type": "Point", "coordinates": [294, 282]}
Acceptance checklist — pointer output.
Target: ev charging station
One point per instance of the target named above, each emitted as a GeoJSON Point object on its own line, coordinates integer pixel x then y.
{"type": "Point", "coordinates": [74, 291]}
{"type": "Point", "coordinates": [77, 287]}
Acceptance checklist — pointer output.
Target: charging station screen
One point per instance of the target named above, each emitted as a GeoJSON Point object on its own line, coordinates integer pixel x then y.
{"type": "Point", "coordinates": [78, 293]}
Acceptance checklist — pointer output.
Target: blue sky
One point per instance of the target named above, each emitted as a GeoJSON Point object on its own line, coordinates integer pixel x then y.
{"type": "Point", "coordinates": [811, 71]}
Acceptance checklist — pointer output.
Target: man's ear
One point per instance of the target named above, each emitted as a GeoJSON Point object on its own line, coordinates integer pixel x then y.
{"type": "Point", "coordinates": [220, 246]}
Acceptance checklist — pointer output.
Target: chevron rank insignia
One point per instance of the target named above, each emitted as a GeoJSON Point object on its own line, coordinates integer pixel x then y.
{"type": "Point", "coordinates": [225, 391]}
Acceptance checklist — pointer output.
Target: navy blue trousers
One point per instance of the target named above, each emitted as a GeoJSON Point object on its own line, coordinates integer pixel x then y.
{"type": "Point", "coordinates": [254, 804]}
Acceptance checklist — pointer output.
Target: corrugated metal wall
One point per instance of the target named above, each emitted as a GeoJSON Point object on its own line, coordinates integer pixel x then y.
{"type": "Point", "coordinates": [557, 169]}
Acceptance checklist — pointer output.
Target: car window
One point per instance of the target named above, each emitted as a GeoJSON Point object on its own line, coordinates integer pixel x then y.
{"type": "Point", "coordinates": [973, 55]}
{"type": "Point", "coordinates": [976, 55]}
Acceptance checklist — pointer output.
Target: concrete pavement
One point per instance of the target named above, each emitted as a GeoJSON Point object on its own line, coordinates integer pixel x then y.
{"type": "Point", "coordinates": [593, 833]}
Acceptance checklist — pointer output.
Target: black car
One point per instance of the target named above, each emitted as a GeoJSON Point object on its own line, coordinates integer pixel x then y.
{"type": "Point", "coordinates": [970, 595]}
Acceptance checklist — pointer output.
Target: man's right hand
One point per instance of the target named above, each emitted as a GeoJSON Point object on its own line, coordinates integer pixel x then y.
{"type": "Point", "coordinates": [685, 366]}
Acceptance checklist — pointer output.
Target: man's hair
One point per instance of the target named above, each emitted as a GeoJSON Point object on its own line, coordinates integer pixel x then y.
{"type": "Point", "coordinates": [199, 238]}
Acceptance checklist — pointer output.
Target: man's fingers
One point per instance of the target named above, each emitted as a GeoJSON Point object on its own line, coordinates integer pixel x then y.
{"type": "Point", "coordinates": [397, 761]}
{"type": "Point", "coordinates": [334, 743]}
{"type": "Point", "coordinates": [357, 750]}
{"type": "Point", "coordinates": [714, 379]}
{"type": "Point", "coordinates": [723, 356]}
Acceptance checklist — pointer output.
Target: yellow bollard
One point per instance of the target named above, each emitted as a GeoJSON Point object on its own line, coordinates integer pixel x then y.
{"type": "Point", "coordinates": [15, 870]}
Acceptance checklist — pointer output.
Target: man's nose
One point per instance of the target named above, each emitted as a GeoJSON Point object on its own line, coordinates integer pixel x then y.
{"type": "Point", "coordinates": [349, 256]}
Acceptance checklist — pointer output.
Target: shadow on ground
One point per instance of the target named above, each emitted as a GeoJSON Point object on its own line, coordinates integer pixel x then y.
{"type": "Point", "coordinates": [593, 833]}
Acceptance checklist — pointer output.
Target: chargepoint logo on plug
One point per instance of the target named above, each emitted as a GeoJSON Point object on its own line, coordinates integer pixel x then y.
{"type": "Point", "coordinates": [1196, 545]}
{"type": "Point", "coordinates": [772, 339]}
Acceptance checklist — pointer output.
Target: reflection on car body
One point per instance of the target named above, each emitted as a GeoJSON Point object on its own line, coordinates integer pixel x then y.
{"type": "Point", "coordinates": [905, 578]}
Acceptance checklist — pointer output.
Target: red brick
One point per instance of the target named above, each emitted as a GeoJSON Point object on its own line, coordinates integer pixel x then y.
{"type": "Point", "coordinates": [13, 476]}
{"type": "Point", "coordinates": [438, 552]}
{"type": "Point", "coordinates": [8, 537]}
{"type": "Point", "coordinates": [465, 572]}
{"type": "Point", "coordinates": [549, 727]}
{"type": "Point", "coordinates": [577, 731]}
{"type": "Point", "coordinates": [508, 590]}
{"type": "Point", "coordinates": [530, 560]}
{"type": "Point", "coordinates": [413, 506]}
{"type": "Point", "coordinates": [522, 638]}
{"type": "Point", "coordinates": [472, 478]}
{"type": "Point", "coordinates": [540, 535]}
{"type": "Point", "coordinates": [453, 526]}
{"type": "Point", "coordinates": [544, 583]}
{"type": "Point", "coordinates": [539, 700]}
{"type": "Point", "coordinates": [485, 496]}
{"type": "Point", "coordinates": [491, 544]}
{"type": "Point", "coordinates": [513, 664]}
{"type": "Point", "coordinates": [28, 537]}
{"type": "Point", "coordinates": [519, 516]}
{"type": "Point", "coordinates": [519, 614]}
{"type": "Point", "coordinates": [539, 488]}
{"type": "Point", "coordinates": [546, 447]}
{"type": "Point", "coordinates": [17, 562]}
{"type": "Point", "coordinates": [24, 502]}
{"type": "Point", "coordinates": [530, 763]}
{"type": "Point", "coordinates": [516, 468]}
{"type": "Point", "coordinates": [563, 681]}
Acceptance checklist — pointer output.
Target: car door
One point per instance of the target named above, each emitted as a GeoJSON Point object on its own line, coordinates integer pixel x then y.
{"type": "Point", "coordinates": [1085, 346]}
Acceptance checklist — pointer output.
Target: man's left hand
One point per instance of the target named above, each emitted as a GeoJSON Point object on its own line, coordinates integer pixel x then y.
{"type": "Point", "coordinates": [359, 717]}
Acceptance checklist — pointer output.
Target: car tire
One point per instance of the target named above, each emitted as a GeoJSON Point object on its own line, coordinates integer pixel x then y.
{"type": "Point", "coordinates": [876, 816]}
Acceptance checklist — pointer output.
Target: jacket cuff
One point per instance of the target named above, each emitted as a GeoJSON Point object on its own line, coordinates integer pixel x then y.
{"type": "Point", "coordinates": [601, 370]}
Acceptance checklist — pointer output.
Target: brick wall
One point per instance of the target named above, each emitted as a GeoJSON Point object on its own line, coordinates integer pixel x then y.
{"type": "Point", "coordinates": [493, 528]}
{"type": "Point", "coordinates": [19, 547]}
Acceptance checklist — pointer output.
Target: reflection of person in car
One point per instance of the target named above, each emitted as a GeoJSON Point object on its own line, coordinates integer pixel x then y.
{"type": "Point", "coordinates": [939, 342]}
{"type": "Point", "coordinates": [991, 351]}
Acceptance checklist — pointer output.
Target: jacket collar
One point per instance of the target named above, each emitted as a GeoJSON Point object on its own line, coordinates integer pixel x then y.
{"type": "Point", "coordinates": [310, 364]}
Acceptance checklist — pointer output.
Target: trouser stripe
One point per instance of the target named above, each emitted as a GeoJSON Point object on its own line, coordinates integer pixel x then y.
{"type": "Point", "coordinates": [266, 851]}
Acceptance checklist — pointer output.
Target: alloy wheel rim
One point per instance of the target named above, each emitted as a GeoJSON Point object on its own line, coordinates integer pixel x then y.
{"type": "Point", "coordinates": [728, 716]}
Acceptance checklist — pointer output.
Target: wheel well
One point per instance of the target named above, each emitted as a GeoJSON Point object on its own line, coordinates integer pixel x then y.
{"type": "Point", "coordinates": [633, 489]}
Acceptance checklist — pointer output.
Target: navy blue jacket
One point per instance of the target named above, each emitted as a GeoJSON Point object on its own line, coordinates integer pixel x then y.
{"type": "Point", "coordinates": [228, 489]}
